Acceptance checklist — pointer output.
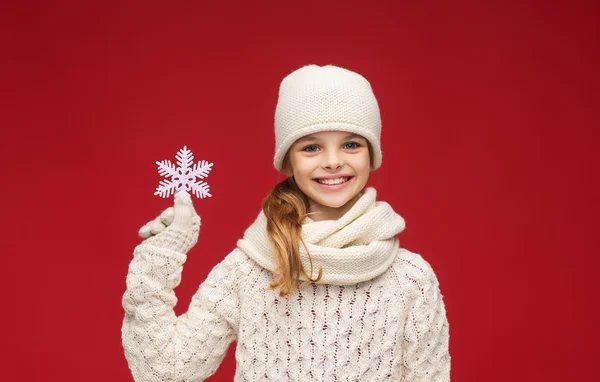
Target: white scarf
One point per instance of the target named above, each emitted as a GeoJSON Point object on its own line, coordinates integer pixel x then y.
{"type": "Point", "coordinates": [357, 247]}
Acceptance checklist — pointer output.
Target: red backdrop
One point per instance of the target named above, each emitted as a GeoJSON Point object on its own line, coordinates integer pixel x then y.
{"type": "Point", "coordinates": [490, 126]}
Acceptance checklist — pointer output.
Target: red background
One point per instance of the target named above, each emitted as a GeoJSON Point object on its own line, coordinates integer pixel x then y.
{"type": "Point", "coordinates": [490, 132]}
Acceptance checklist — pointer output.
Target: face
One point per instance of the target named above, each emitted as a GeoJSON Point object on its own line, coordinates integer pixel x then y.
{"type": "Point", "coordinates": [331, 168]}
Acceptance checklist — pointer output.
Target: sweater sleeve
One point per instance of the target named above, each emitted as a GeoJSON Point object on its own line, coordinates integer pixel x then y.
{"type": "Point", "coordinates": [426, 354]}
{"type": "Point", "coordinates": [159, 346]}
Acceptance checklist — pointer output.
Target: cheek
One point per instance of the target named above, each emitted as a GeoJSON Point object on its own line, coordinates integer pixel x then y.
{"type": "Point", "coordinates": [362, 163]}
{"type": "Point", "coordinates": [302, 167]}
{"type": "Point", "coordinates": [302, 173]}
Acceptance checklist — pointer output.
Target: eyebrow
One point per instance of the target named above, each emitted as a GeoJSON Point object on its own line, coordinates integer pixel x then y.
{"type": "Point", "coordinates": [313, 138]}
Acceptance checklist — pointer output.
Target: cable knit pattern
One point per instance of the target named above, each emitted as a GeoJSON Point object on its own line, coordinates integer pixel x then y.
{"type": "Point", "coordinates": [160, 346]}
{"type": "Point", "coordinates": [390, 327]}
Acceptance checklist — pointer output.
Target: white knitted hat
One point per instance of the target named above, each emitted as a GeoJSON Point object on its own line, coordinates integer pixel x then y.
{"type": "Point", "coordinates": [325, 98]}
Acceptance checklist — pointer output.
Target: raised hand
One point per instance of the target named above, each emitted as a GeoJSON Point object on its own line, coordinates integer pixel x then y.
{"type": "Point", "coordinates": [176, 227]}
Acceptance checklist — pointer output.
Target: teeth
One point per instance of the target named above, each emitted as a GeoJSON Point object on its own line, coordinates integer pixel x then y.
{"type": "Point", "coordinates": [332, 181]}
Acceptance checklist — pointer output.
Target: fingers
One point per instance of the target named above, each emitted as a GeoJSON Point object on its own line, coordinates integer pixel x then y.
{"type": "Point", "coordinates": [144, 232]}
{"type": "Point", "coordinates": [157, 225]}
{"type": "Point", "coordinates": [182, 214]}
{"type": "Point", "coordinates": [166, 217]}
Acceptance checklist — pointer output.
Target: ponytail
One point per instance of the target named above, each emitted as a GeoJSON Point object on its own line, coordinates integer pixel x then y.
{"type": "Point", "coordinates": [285, 209]}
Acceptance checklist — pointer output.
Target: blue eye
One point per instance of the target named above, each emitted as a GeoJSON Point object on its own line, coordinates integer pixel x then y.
{"type": "Point", "coordinates": [310, 148]}
{"type": "Point", "coordinates": [351, 145]}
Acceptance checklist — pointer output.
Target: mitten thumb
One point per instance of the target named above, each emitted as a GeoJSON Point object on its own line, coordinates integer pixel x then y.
{"type": "Point", "coordinates": [184, 212]}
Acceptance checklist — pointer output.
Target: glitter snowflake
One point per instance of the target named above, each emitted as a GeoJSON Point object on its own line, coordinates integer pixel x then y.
{"type": "Point", "coordinates": [183, 178]}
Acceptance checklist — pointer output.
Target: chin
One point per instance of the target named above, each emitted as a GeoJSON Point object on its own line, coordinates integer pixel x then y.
{"type": "Point", "coordinates": [332, 202]}
{"type": "Point", "coordinates": [328, 204]}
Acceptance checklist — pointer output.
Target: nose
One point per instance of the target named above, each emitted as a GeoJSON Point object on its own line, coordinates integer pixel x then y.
{"type": "Point", "coordinates": [333, 160]}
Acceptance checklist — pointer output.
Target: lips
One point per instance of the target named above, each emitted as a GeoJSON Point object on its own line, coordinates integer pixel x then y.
{"type": "Point", "coordinates": [332, 181]}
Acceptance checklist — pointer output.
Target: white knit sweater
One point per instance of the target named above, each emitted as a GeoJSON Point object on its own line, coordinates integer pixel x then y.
{"type": "Point", "coordinates": [371, 320]}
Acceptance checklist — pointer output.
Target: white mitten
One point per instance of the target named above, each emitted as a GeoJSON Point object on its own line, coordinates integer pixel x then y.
{"type": "Point", "coordinates": [157, 225]}
{"type": "Point", "coordinates": [176, 228]}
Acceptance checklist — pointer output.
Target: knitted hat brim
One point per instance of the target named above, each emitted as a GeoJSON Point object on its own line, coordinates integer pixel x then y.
{"type": "Point", "coordinates": [328, 126]}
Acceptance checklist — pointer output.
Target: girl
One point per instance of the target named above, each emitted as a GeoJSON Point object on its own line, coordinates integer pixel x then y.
{"type": "Point", "coordinates": [318, 289]}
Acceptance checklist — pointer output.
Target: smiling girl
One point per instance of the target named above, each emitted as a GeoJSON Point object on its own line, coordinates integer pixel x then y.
{"type": "Point", "coordinates": [319, 288]}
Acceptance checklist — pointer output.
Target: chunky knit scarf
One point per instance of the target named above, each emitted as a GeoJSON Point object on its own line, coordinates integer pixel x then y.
{"type": "Point", "coordinates": [357, 247]}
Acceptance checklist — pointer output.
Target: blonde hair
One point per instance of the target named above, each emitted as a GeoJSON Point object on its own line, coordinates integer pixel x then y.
{"type": "Point", "coordinates": [285, 207]}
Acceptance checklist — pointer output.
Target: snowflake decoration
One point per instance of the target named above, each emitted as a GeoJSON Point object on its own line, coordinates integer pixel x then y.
{"type": "Point", "coordinates": [183, 178]}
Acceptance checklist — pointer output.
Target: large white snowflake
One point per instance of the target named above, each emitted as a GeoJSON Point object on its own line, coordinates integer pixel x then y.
{"type": "Point", "coordinates": [183, 178]}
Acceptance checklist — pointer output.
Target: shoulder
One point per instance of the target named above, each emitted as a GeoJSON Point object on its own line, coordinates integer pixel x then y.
{"type": "Point", "coordinates": [237, 264]}
{"type": "Point", "coordinates": [411, 269]}
{"type": "Point", "coordinates": [230, 276]}
{"type": "Point", "coordinates": [413, 263]}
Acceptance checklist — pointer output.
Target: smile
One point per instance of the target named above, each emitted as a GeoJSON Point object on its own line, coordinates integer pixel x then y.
{"type": "Point", "coordinates": [333, 181]}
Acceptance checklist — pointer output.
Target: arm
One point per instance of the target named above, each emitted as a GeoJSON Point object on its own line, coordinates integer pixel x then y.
{"type": "Point", "coordinates": [426, 354]}
{"type": "Point", "coordinates": [159, 346]}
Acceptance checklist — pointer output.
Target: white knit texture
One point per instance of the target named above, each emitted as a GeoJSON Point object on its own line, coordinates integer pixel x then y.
{"type": "Point", "coordinates": [392, 327]}
{"type": "Point", "coordinates": [325, 98]}
{"type": "Point", "coordinates": [357, 247]}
